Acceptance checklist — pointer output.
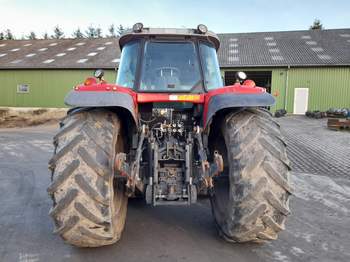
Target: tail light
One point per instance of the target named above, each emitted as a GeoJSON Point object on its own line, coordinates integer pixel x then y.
{"type": "Point", "coordinates": [90, 81]}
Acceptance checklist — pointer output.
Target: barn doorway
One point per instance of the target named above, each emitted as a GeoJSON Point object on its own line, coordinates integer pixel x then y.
{"type": "Point", "coordinates": [261, 78]}
{"type": "Point", "coordinates": [301, 98]}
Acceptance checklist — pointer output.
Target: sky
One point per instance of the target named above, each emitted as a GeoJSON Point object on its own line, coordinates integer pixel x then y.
{"type": "Point", "coordinates": [220, 16]}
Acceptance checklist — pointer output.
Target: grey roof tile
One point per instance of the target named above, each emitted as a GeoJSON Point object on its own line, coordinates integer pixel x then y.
{"type": "Point", "coordinates": [60, 54]}
{"type": "Point", "coordinates": [264, 49]}
{"type": "Point", "coordinates": [296, 48]}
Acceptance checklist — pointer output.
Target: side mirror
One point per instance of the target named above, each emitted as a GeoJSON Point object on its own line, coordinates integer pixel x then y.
{"type": "Point", "coordinates": [99, 73]}
{"type": "Point", "coordinates": [241, 76]}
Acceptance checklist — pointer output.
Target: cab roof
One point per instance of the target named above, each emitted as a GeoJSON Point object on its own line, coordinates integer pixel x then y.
{"type": "Point", "coordinates": [169, 34]}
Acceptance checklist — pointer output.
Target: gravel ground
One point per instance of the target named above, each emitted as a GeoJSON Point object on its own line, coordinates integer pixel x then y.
{"type": "Point", "coordinates": [24, 117]}
{"type": "Point", "coordinates": [318, 229]}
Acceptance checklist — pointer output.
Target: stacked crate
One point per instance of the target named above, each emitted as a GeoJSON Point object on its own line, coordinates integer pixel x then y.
{"type": "Point", "coordinates": [338, 119]}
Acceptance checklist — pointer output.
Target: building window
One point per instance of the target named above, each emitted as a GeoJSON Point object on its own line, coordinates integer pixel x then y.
{"type": "Point", "coordinates": [22, 88]}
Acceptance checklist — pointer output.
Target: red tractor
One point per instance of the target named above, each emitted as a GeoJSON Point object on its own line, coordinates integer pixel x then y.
{"type": "Point", "coordinates": [168, 130]}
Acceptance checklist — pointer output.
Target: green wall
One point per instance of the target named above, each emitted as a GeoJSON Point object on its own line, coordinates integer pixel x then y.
{"type": "Point", "coordinates": [47, 87]}
{"type": "Point", "coordinates": [328, 87]}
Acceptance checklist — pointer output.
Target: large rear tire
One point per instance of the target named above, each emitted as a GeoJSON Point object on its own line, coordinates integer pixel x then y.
{"type": "Point", "coordinates": [250, 201]}
{"type": "Point", "coordinates": [89, 206]}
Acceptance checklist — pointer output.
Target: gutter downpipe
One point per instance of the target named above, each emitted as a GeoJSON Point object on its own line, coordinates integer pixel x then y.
{"type": "Point", "coordinates": [286, 90]}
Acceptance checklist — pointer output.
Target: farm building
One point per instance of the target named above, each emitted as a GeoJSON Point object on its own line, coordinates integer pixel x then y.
{"type": "Point", "coordinates": [38, 73]}
{"type": "Point", "coordinates": [304, 70]}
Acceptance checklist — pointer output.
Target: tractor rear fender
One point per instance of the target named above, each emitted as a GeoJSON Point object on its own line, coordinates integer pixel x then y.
{"type": "Point", "coordinates": [218, 102]}
{"type": "Point", "coordinates": [115, 101]}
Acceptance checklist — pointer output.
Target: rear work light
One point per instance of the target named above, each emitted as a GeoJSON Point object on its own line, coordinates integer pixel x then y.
{"type": "Point", "coordinates": [137, 28]}
{"type": "Point", "coordinates": [202, 29]}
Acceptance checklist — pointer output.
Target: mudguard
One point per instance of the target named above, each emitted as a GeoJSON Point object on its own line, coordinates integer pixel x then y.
{"type": "Point", "coordinates": [232, 100]}
{"type": "Point", "coordinates": [102, 99]}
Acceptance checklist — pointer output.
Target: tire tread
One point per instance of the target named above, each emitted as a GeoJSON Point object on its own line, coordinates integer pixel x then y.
{"type": "Point", "coordinates": [84, 210]}
{"type": "Point", "coordinates": [259, 186]}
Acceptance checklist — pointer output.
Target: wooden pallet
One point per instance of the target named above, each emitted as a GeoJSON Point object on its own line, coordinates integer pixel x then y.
{"type": "Point", "coordinates": [338, 123]}
{"type": "Point", "coordinates": [332, 115]}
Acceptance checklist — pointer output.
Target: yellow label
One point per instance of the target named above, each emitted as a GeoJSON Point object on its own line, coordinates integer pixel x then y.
{"type": "Point", "coordinates": [184, 97]}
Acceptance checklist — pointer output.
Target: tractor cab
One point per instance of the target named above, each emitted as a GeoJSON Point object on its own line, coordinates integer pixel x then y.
{"type": "Point", "coordinates": [169, 60]}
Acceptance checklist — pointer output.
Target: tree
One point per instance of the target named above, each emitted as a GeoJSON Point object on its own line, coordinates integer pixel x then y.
{"type": "Point", "coordinates": [90, 32]}
{"type": "Point", "coordinates": [45, 36]}
{"type": "Point", "coordinates": [32, 36]}
{"type": "Point", "coordinates": [78, 34]}
{"type": "Point", "coordinates": [2, 36]}
{"type": "Point", "coordinates": [58, 33]}
{"type": "Point", "coordinates": [98, 32]}
{"type": "Point", "coordinates": [120, 29]}
{"type": "Point", "coordinates": [9, 35]}
{"type": "Point", "coordinates": [111, 31]}
{"type": "Point", "coordinates": [316, 25]}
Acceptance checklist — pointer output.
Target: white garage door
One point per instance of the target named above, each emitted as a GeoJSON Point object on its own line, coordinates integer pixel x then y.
{"type": "Point", "coordinates": [301, 98]}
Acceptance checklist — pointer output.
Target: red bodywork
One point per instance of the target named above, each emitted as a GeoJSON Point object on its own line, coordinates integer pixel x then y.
{"type": "Point", "coordinates": [92, 85]}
